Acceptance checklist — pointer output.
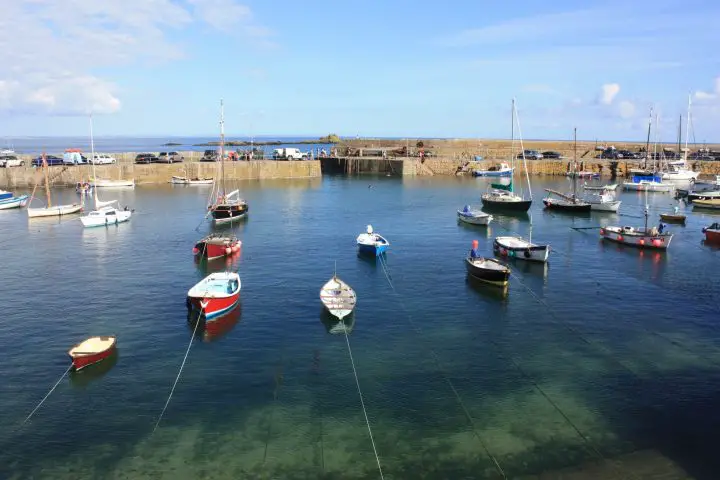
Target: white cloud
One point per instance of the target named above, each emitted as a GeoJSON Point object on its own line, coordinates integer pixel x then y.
{"type": "Point", "coordinates": [609, 92]}
{"type": "Point", "coordinates": [626, 109]}
{"type": "Point", "coordinates": [701, 95]}
{"type": "Point", "coordinates": [51, 50]}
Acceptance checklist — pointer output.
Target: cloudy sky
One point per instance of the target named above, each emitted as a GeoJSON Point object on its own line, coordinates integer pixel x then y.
{"type": "Point", "coordinates": [159, 67]}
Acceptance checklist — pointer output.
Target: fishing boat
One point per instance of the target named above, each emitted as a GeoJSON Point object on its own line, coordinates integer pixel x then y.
{"type": "Point", "coordinates": [106, 216]}
{"type": "Point", "coordinates": [217, 245]}
{"type": "Point", "coordinates": [651, 238]}
{"type": "Point", "coordinates": [499, 170]}
{"type": "Point", "coordinates": [709, 204]}
{"type": "Point", "coordinates": [51, 210]}
{"type": "Point", "coordinates": [12, 201]}
{"type": "Point", "coordinates": [675, 217]}
{"type": "Point", "coordinates": [191, 181]}
{"type": "Point", "coordinates": [473, 216]}
{"type": "Point", "coordinates": [226, 207]}
{"type": "Point", "coordinates": [487, 270]}
{"type": "Point", "coordinates": [371, 242]}
{"type": "Point", "coordinates": [214, 295]}
{"type": "Point", "coordinates": [338, 297]}
{"type": "Point", "coordinates": [712, 233]}
{"type": "Point", "coordinates": [599, 188]}
{"type": "Point", "coordinates": [502, 197]}
{"type": "Point", "coordinates": [91, 351]}
{"type": "Point", "coordinates": [603, 202]}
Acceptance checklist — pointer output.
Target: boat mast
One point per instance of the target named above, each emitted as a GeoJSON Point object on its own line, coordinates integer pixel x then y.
{"type": "Point", "coordinates": [647, 144]}
{"type": "Point", "coordinates": [522, 148]}
{"type": "Point", "coordinates": [679, 135]}
{"type": "Point", "coordinates": [512, 146]}
{"type": "Point", "coordinates": [575, 163]}
{"type": "Point", "coordinates": [92, 162]}
{"type": "Point", "coordinates": [47, 181]}
{"type": "Point", "coordinates": [687, 131]}
{"type": "Point", "coordinates": [222, 148]}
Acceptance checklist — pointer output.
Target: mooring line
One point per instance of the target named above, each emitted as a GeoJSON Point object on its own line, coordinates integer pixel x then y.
{"type": "Point", "coordinates": [279, 376]}
{"type": "Point", "coordinates": [438, 364]}
{"type": "Point", "coordinates": [362, 403]}
{"type": "Point", "coordinates": [47, 395]}
{"type": "Point", "coordinates": [182, 365]}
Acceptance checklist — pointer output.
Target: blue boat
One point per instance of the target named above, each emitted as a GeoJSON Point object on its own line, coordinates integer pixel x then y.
{"type": "Point", "coordinates": [499, 170]}
{"type": "Point", "coordinates": [372, 243]}
{"type": "Point", "coordinates": [4, 195]}
{"type": "Point", "coordinates": [13, 202]}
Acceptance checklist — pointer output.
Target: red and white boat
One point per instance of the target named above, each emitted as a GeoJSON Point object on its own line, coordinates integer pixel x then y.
{"type": "Point", "coordinates": [214, 295]}
{"type": "Point", "coordinates": [217, 245]}
{"type": "Point", "coordinates": [638, 237]}
{"type": "Point", "coordinates": [712, 233]}
{"type": "Point", "coordinates": [92, 350]}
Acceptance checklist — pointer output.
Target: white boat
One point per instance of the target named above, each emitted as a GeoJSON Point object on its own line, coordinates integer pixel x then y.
{"type": "Point", "coordinates": [706, 195]}
{"type": "Point", "coordinates": [710, 204]}
{"type": "Point", "coordinates": [603, 202]}
{"type": "Point", "coordinates": [678, 171]}
{"type": "Point", "coordinates": [52, 210]}
{"type": "Point", "coordinates": [499, 170]}
{"type": "Point", "coordinates": [371, 242]}
{"type": "Point", "coordinates": [598, 188]}
{"type": "Point", "coordinates": [13, 202]}
{"type": "Point", "coordinates": [191, 181]}
{"type": "Point", "coordinates": [637, 237]}
{"type": "Point", "coordinates": [107, 183]}
{"type": "Point", "coordinates": [517, 247]}
{"type": "Point", "coordinates": [473, 216]}
{"type": "Point", "coordinates": [648, 184]}
{"type": "Point", "coordinates": [105, 216]}
{"type": "Point", "coordinates": [338, 297]}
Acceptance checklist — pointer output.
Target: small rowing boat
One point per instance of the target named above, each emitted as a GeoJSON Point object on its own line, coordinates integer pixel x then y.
{"type": "Point", "coordinates": [371, 242]}
{"type": "Point", "coordinates": [712, 233]}
{"type": "Point", "coordinates": [91, 351]}
{"type": "Point", "coordinates": [13, 202]}
{"type": "Point", "coordinates": [338, 297]}
{"type": "Point", "coordinates": [487, 270]}
{"type": "Point", "coordinates": [517, 247]}
{"type": "Point", "coordinates": [214, 295]}
{"type": "Point", "coordinates": [675, 217]}
{"type": "Point", "coordinates": [217, 245]}
{"type": "Point", "coordinates": [473, 216]}
{"type": "Point", "coordinates": [191, 181]}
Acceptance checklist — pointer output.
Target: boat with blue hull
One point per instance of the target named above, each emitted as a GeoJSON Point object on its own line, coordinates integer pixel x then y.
{"type": "Point", "coordinates": [499, 170]}
{"type": "Point", "coordinates": [371, 243]}
{"type": "Point", "coordinates": [13, 202]}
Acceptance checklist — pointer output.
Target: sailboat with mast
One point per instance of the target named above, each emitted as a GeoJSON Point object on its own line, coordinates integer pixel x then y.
{"type": "Point", "coordinates": [518, 247]}
{"type": "Point", "coordinates": [653, 238]}
{"type": "Point", "coordinates": [568, 203]}
{"type": "Point", "coordinates": [226, 207]}
{"type": "Point", "coordinates": [648, 182]}
{"type": "Point", "coordinates": [502, 197]}
{"type": "Point", "coordinates": [678, 171]}
{"type": "Point", "coordinates": [52, 210]}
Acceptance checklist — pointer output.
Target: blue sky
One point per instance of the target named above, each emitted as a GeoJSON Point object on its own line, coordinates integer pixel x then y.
{"type": "Point", "coordinates": [372, 68]}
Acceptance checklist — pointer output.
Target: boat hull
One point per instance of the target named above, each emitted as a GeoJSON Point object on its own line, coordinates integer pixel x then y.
{"type": "Point", "coordinates": [710, 204]}
{"type": "Point", "coordinates": [506, 206]}
{"type": "Point", "coordinates": [508, 247]}
{"type": "Point", "coordinates": [498, 278]}
{"type": "Point", "coordinates": [229, 213]}
{"type": "Point", "coordinates": [80, 361]}
{"type": "Point", "coordinates": [637, 239]}
{"type": "Point", "coordinates": [14, 202]}
{"type": "Point", "coordinates": [215, 307]}
{"type": "Point", "coordinates": [113, 183]}
{"type": "Point", "coordinates": [375, 250]}
{"type": "Point", "coordinates": [189, 181]}
{"type": "Point", "coordinates": [611, 206]}
{"type": "Point", "coordinates": [207, 301]}
{"type": "Point", "coordinates": [565, 206]}
{"type": "Point", "coordinates": [669, 218]}
{"type": "Point", "coordinates": [56, 211]}
{"type": "Point", "coordinates": [488, 173]}
{"type": "Point", "coordinates": [121, 216]}
{"type": "Point", "coordinates": [648, 187]}
{"type": "Point", "coordinates": [707, 195]}
{"type": "Point", "coordinates": [214, 247]}
{"type": "Point", "coordinates": [712, 236]}
{"type": "Point", "coordinates": [483, 219]}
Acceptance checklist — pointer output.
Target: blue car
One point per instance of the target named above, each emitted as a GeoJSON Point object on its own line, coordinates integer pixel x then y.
{"type": "Point", "coordinates": [51, 160]}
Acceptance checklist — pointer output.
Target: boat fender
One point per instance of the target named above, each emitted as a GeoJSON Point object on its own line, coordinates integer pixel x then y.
{"type": "Point", "coordinates": [503, 251]}
{"type": "Point", "coordinates": [620, 238]}
{"type": "Point", "coordinates": [602, 231]}
{"type": "Point", "coordinates": [527, 253]}
{"type": "Point", "coordinates": [196, 250]}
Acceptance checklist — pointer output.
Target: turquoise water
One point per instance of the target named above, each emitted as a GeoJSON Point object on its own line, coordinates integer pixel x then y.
{"type": "Point", "coordinates": [604, 361]}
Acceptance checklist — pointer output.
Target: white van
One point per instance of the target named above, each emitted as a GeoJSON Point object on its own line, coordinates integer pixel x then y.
{"type": "Point", "coordinates": [102, 159]}
{"type": "Point", "coordinates": [288, 154]}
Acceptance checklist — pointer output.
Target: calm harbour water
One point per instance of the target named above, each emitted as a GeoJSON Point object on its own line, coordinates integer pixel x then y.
{"type": "Point", "coordinates": [605, 361]}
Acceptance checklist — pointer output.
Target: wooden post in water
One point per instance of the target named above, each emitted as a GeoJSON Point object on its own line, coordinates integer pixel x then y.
{"type": "Point", "coordinates": [47, 181]}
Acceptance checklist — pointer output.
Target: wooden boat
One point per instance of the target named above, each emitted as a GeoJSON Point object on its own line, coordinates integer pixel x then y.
{"type": "Point", "coordinates": [191, 181]}
{"type": "Point", "coordinates": [371, 242]}
{"type": "Point", "coordinates": [338, 297]}
{"type": "Point", "coordinates": [14, 202]}
{"type": "Point", "coordinates": [91, 351]}
{"type": "Point", "coordinates": [517, 247]}
{"type": "Point", "coordinates": [603, 202]}
{"type": "Point", "coordinates": [488, 270]}
{"type": "Point", "coordinates": [217, 245]}
{"type": "Point", "coordinates": [227, 207]}
{"type": "Point", "coordinates": [675, 217]}
{"type": "Point", "coordinates": [705, 195]}
{"type": "Point", "coordinates": [583, 174]}
{"type": "Point", "coordinates": [599, 188]}
{"type": "Point", "coordinates": [473, 216]}
{"type": "Point", "coordinates": [710, 204]}
{"type": "Point", "coordinates": [499, 170]}
{"type": "Point", "coordinates": [214, 295]}
{"type": "Point", "coordinates": [567, 203]}
{"type": "Point", "coordinates": [106, 216]}
{"type": "Point", "coordinates": [52, 210]}
{"type": "Point", "coordinates": [108, 183]}
{"type": "Point", "coordinates": [712, 233]}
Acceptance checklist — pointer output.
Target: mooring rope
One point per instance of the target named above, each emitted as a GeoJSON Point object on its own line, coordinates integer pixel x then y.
{"type": "Point", "coordinates": [362, 402]}
{"type": "Point", "coordinates": [172, 390]}
{"type": "Point", "coordinates": [436, 359]}
{"type": "Point", "coordinates": [46, 396]}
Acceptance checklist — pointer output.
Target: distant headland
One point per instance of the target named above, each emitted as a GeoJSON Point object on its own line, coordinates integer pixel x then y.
{"type": "Point", "coordinates": [332, 138]}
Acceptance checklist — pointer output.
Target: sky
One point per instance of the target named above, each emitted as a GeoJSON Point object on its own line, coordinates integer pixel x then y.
{"type": "Point", "coordinates": [370, 68]}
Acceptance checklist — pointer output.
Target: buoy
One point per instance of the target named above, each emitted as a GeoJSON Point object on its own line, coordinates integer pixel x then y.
{"type": "Point", "coordinates": [503, 251]}
{"type": "Point", "coordinates": [642, 241]}
{"type": "Point", "coordinates": [228, 251]}
{"type": "Point", "coordinates": [196, 250]}
{"type": "Point", "coordinates": [656, 242]}
{"type": "Point", "coordinates": [620, 238]}
{"type": "Point", "coordinates": [602, 231]}
{"type": "Point", "coordinates": [474, 244]}
{"type": "Point", "coordinates": [235, 248]}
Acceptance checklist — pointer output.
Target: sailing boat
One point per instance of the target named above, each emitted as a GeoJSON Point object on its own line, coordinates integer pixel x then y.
{"type": "Point", "coordinates": [502, 197]}
{"type": "Point", "coordinates": [645, 237]}
{"type": "Point", "coordinates": [651, 182]}
{"type": "Point", "coordinates": [568, 203]}
{"type": "Point", "coordinates": [518, 247]}
{"type": "Point", "coordinates": [678, 171]}
{"type": "Point", "coordinates": [226, 207]}
{"type": "Point", "coordinates": [52, 210]}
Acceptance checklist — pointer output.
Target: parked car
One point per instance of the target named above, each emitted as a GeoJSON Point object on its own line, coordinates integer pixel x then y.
{"type": "Point", "coordinates": [551, 154]}
{"type": "Point", "coordinates": [11, 161]}
{"type": "Point", "coordinates": [170, 157]}
{"type": "Point", "coordinates": [627, 154]}
{"type": "Point", "coordinates": [146, 158]}
{"type": "Point", "coordinates": [52, 160]}
{"type": "Point", "coordinates": [210, 156]}
{"type": "Point", "coordinates": [102, 159]}
{"type": "Point", "coordinates": [530, 155]}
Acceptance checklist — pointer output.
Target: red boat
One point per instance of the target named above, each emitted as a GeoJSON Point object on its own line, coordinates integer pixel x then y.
{"type": "Point", "coordinates": [92, 350]}
{"type": "Point", "coordinates": [215, 295]}
{"type": "Point", "coordinates": [217, 245]}
{"type": "Point", "coordinates": [712, 233]}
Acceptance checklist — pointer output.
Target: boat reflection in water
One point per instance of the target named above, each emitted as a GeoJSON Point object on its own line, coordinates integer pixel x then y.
{"type": "Point", "coordinates": [217, 327]}
{"type": "Point", "coordinates": [491, 292]}
{"type": "Point", "coordinates": [84, 377]}
{"type": "Point", "coordinates": [337, 327]}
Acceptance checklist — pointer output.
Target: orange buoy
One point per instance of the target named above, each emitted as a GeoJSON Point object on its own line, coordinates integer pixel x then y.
{"type": "Point", "coordinates": [642, 241]}
{"type": "Point", "coordinates": [235, 248]}
{"type": "Point", "coordinates": [474, 244]}
{"type": "Point", "coordinates": [228, 251]}
{"type": "Point", "coordinates": [620, 238]}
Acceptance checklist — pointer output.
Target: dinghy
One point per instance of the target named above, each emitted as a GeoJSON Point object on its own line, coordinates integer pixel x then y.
{"type": "Point", "coordinates": [473, 216]}
{"type": "Point", "coordinates": [603, 202]}
{"type": "Point", "coordinates": [710, 204]}
{"type": "Point", "coordinates": [214, 295]}
{"type": "Point", "coordinates": [487, 270]}
{"type": "Point", "coordinates": [499, 170]}
{"type": "Point", "coordinates": [105, 216]}
{"type": "Point", "coordinates": [712, 233]}
{"type": "Point", "coordinates": [516, 247]}
{"type": "Point", "coordinates": [108, 183]}
{"type": "Point", "coordinates": [91, 351]}
{"type": "Point", "coordinates": [371, 242]}
{"type": "Point", "coordinates": [191, 181]}
{"type": "Point", "coordinates": [13, 202]}
{"type": "Point", "coordinates": [217, 245]}
{"type": "Point", "coordinates": [338, 297]}
{"type": "Point", "coordinates": [675, 217]}
{"type": "Point", "coordinates": [598, 188]}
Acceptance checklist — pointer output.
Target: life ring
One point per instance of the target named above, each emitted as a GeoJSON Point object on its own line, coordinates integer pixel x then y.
{"type": "Point", "coordinates": [527, 253]}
